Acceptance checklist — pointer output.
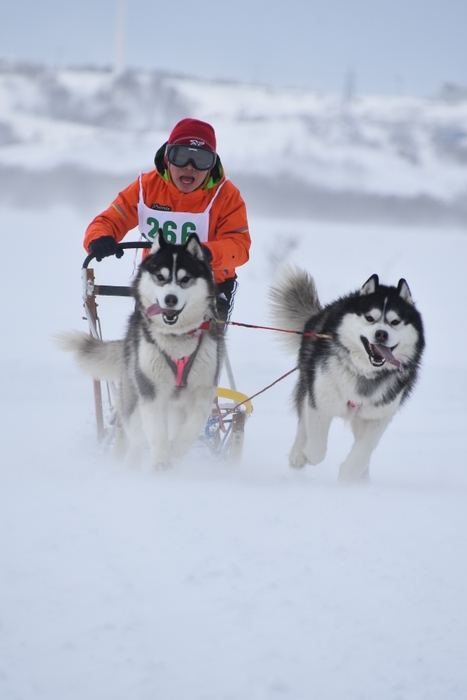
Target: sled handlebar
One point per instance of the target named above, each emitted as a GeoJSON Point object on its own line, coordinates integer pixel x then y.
{"type": "Point", "coordinates": [120, 246]}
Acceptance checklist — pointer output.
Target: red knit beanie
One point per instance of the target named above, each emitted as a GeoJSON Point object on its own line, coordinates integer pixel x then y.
{"type": "Point", "coordinates": [194, 133]}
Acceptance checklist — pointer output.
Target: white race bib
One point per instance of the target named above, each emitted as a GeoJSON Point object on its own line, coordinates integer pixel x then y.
{"type": "Point", "coordinates": [176, 226]}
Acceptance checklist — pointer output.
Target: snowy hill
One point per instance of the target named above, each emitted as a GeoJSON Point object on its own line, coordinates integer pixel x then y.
{"type": "Point", "coordinates": [88, 132]}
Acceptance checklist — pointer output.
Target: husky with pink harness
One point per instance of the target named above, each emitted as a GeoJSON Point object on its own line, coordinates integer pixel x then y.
{"type": "Point", "coordinates": [362, 371]}
{"type": "Point", "coordinates": [168, 364]}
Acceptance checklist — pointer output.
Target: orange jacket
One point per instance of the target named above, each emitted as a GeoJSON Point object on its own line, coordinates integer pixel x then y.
{"type": "Point", "coordinates": [229, 238]}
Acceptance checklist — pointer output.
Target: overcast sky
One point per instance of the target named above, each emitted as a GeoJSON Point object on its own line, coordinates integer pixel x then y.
{"type": "Point", "coordinates": [381, 46]}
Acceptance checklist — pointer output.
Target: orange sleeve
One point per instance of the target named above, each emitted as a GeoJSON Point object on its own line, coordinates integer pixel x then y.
{"type": "Point", "coordinates": [229, 237]}
{"type": "Point", "coordinates": [118, 219]}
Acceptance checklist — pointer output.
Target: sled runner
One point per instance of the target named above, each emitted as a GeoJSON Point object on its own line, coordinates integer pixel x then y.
{"type": "Point", "coordinates": [223, 435]}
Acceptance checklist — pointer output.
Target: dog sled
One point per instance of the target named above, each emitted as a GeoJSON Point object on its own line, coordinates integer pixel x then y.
{"type": "Point", "coordinates": [224, 433]}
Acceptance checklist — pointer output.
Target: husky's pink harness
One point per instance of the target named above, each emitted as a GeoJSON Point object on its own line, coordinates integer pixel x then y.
{"type": "Point", "coordinates": [181, 366]}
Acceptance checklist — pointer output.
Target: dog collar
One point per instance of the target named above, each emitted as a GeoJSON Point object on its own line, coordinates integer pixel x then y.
{"type": "Point", "coordinates": [205, 326]}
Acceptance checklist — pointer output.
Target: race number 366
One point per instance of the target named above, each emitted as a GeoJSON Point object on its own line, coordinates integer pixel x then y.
{"type": "Point", "coordinates": [170, 230]}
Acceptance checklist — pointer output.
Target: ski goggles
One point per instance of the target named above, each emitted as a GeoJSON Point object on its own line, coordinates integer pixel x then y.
{"type": "Point", "coordinates": [200, 158]}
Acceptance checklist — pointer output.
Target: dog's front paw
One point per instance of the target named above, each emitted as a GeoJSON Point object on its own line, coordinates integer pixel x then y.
{"type": "Point", "coordinates": [297, 460]}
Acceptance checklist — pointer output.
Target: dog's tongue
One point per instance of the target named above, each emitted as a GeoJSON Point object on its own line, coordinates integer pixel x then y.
{"type": "Point", "coordinates": [386, 352]}
{"type": "Point", "coordinates": [156, 309]}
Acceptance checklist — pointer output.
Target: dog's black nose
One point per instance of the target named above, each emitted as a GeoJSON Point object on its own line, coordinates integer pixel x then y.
{"type": "Point", "coordinates": [381, 336]}
{"type": "Point", "coordinates": [170, 301]}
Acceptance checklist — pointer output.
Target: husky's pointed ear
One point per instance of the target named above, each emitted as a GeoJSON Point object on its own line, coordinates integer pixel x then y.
{"type": "Point", "coordinates": [370, 285]}
{"type": "Point", "coordinates": [159, 242]}
{"type": "Point", "coordinates": [404, 291]}
{"type": "Point", "coordinates": [194, 247]}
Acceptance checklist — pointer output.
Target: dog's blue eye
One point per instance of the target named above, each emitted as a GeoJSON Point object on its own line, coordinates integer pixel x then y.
{"type": "Point", "coordinates": [370, 319]}
{"type": "Point", "coordinates": [160, 278]}
{"type": "Point", "coordinates": [395, 322]}
{"type": "Point", "coordinates": [185, 279]}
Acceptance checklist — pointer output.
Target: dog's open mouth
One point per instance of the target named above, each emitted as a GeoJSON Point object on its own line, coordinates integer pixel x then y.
{"type": "Point", "coordinates": [169, 316]}
{"type": "Point", "coordinates": [380, 354]}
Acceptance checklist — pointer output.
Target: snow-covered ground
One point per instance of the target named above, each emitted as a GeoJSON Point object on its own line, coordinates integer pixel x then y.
{"type": "Point", "coordinates": [218, 583]}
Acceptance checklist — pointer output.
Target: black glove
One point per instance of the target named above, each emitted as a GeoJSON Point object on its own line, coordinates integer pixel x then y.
{"type": "Point", "coordinates": [207, 253]}
{"type": "Point", "coordinates": [104, 246]}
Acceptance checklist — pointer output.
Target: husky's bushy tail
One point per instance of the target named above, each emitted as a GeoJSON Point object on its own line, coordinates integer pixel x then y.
{"type": "Point", "coordinates": [101, 359]}
{"type": "Point", "coordinates": [294, 300]}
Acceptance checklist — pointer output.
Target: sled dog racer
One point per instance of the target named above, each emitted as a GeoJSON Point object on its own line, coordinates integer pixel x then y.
{"type": "Point", "coordinates": [186, 193]}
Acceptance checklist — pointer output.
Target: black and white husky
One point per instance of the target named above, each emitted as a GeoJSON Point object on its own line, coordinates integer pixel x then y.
{"type": "Point", "coordinates": [362, 373]}
{"type": "Point", "coordinates": [169, 362]}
